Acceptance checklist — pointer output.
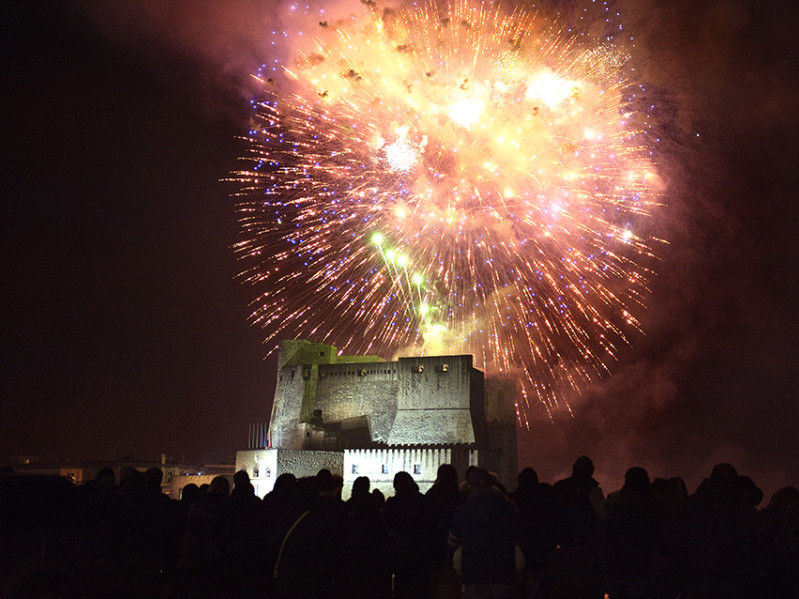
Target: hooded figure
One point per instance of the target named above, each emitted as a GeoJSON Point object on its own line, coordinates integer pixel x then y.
{"type": "Point", "coordinates": [486, 529]}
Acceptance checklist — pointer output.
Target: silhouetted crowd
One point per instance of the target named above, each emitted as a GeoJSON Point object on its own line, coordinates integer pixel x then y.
{"type": "Point", "coordinates": [465, 537]}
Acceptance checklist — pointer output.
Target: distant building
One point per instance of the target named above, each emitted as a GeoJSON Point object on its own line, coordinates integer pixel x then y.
{"type": "Point", "coordinates": [175, 475]}
{"type": "Point", "coordinates": [362, 416]}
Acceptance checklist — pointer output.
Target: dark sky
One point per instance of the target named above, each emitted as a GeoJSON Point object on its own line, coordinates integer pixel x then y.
{"type": "Point", "coordinates": [125, 330]}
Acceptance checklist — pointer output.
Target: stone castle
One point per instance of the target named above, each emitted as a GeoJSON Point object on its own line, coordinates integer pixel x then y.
{"type": "Point", "coordinates": [362, 416]}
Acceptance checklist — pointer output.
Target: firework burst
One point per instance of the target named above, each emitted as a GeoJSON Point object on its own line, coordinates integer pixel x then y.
{"type": "Point", "coordinates": [452, 178]}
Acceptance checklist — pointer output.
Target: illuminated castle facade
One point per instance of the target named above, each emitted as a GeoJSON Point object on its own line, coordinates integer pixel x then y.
{"type": "Point", "coordinates": [362, 416]}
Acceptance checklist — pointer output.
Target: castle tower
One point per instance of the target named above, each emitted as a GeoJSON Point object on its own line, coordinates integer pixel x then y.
{"type": "Point", "coordinates": [439, 401]}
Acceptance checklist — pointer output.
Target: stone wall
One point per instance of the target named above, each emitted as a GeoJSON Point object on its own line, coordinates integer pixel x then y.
{"type": "Point", "coordinates": [501, 395]}
{"type": "Point", "coordinates": [286, 408]}
{"type": "Point", "coordinates": [434, 402]}
{"type": "Point", "coordinates": [261, 466]}
{"type": "Point", "coordinates": [265, 465]}
{"type": "Point", "coordinates": [422, 463]}
{"type": "Point", "coordinates": [350, 391]}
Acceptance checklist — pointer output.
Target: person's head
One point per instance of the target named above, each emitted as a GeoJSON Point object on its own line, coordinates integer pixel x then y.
{"type": "Point", "coordinates": [132, 480]}
{"type": "Point", "coordinates": [404, 483]}
{"type": "Point", "coordinates": [751, 494]}
{"type": "Point", "coordinates": [360, 486]}
{"type": "Point", "coordinates": [241, 478]}
{"type": "Point", "coordinates": [447, 476]}
{"type": "Point", "coordinates": [284, 482]}
{"type": "Point", "coordinates": [330, 487]}
{"type": "Point", "coordinates": [479, 478]}
{"type": "Point", "coordinates": [306, 492]}
{"type": "Point", "coordinates": [723, 473]}
{"type": "Point", "coordinates": [154, 476]}
{"type": "Point", "coordinates": [678, 488]}
{"type": "Point", "coordinates": [126, 474]}
{"type": "Point", "coordinates": [636, 479]}
{"type": "Point", "coordinates": [528, 479]}
{"type": "Point", "coordinates": [785, 502]}
{"type": "Point", "coordinates": [105, 474]}
{"type": "Point", "coordinates": [190, 493]}
{"type": "Point", "coordinates": [583, 466]}
{"type": "Point", "coordinates": [219, 486]}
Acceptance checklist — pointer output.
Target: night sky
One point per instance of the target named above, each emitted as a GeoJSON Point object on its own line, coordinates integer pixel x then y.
{"type": "Point", "coordinates": [125, 329]}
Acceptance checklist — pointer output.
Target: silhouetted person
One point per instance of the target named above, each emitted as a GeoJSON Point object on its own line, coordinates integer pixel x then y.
{"type": "Point", "coordinates": [781, 544]}
{"type": "Point", "coordinates": [536, 532]}
{"type": "Point", "coordinates": [205, 556]}
{"type": "Point", "coordinates": [409, 529]}
{"type": "Point", "coordinates": [278, 498]}
{"type": "Point", "coordinates": [243, 490]}
{"type": "Point", "coordinates": [166, 526]}
{"type": "Point", "coordinates": [442, 500]}
{"type": "Point", "coordinates": [485, 529]}
{"type": "Point", "coordinates": [310, 561]}
{"type": "Point", "coordinates": [367, 568]}
{"type": "Point", "coordinates": [717, 538]}
{"type": "Point", "coordinates": [288, 501]}
{"type": "Point", "coordinates": [671, 493]}
{"type": "Point", "coordinates": [360, 497]}
{"type": "Point", "coordinates": [103, 487]}
{"type": "Point", "coordinates": [189, 498]}
{"type": "Point", "coordinates": [247, 537]}
{"type": "Point", "coordinates": [579, 513]}
{"type": "Point", "coordinates": [380, 499]}
{"type": "Point", "coordinates": [464, 487]}
{"type": "Point", "coordinates": [153, 478]}
{"type": "Point", "coordinates": [137, 537]}
{"type": "Point", "coordinates": [633, 525]}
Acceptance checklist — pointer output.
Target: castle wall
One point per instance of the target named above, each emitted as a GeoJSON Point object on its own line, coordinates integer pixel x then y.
{"type": "Point", "coordinates": [365, 391]}
{"type": "Point", "coordinates": [477, 408]}
{"type": "Point", "coordinates": [261, 466]}
{"type": "Point", "coordinates": [284, 425]}
{"type": "Point", "coordinates": [500, 410]}
{"type": "Point", "coordinates": [500, 399]}
{"type": "Point", "coordinates": [265, 465]}
{"type": "Point", "coordinates": [422, 463]}
{"type": "Point", "coordinates": [434, 401]}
